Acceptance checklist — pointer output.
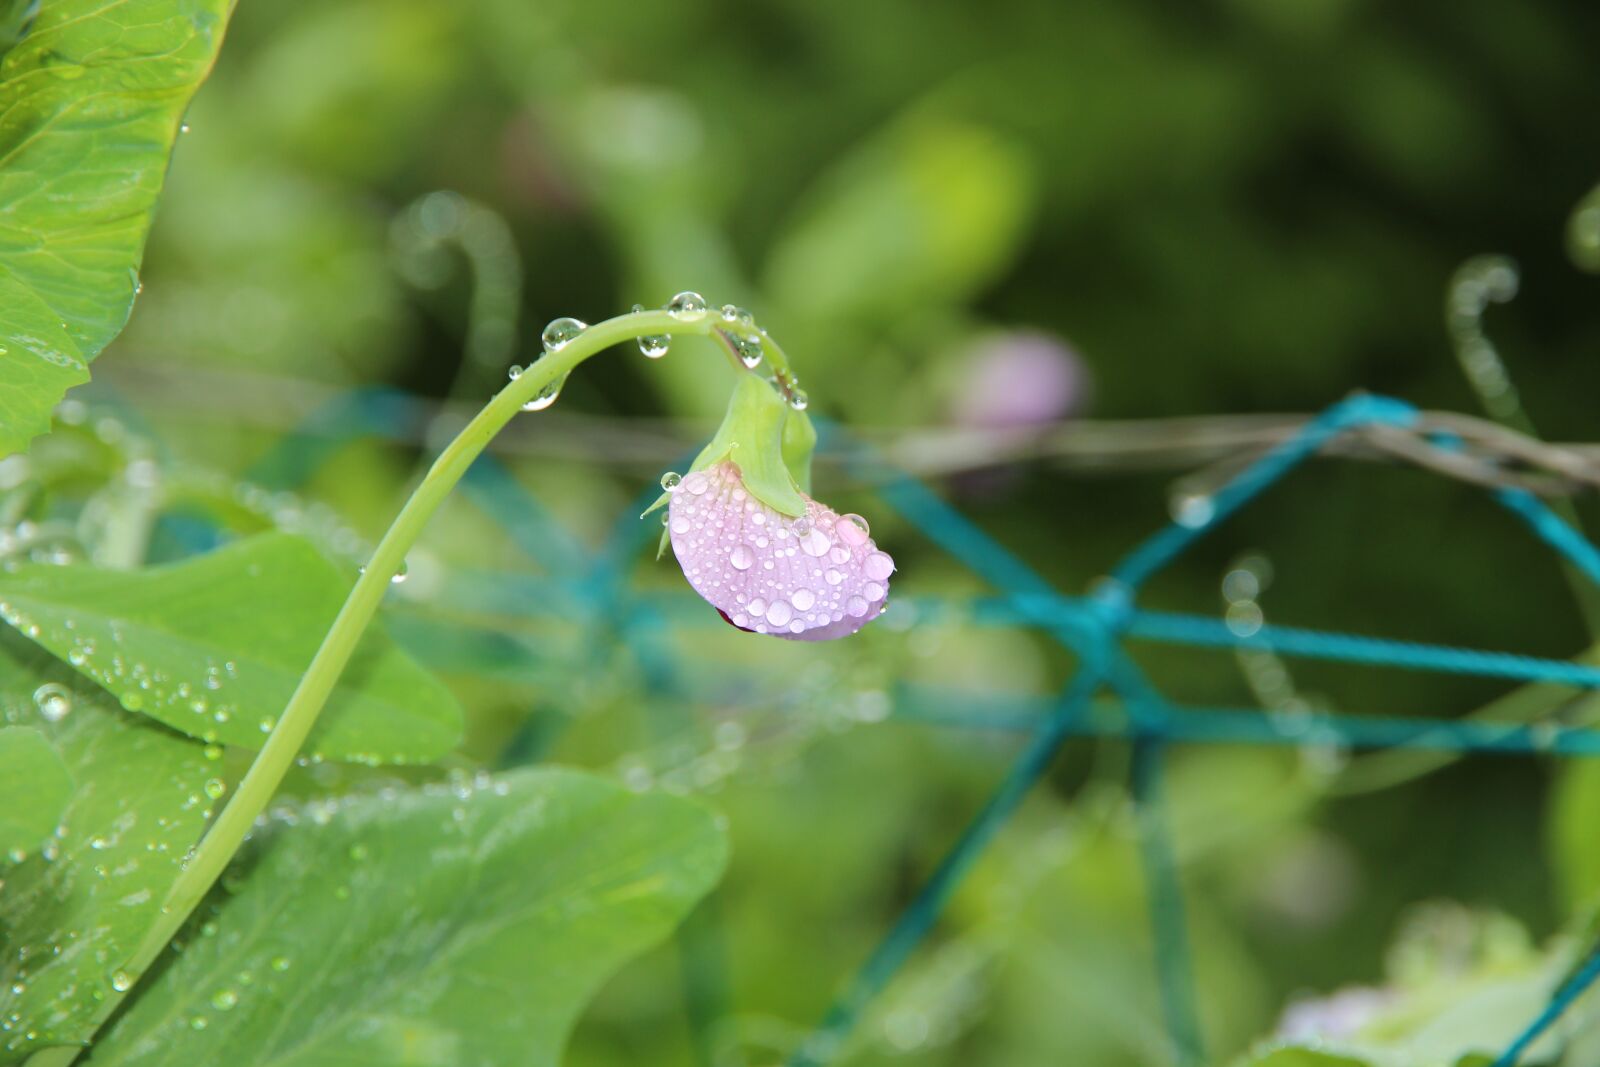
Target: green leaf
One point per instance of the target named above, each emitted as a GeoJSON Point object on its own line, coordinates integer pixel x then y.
{"type": "Point", "coordinates": [34, 786]}
{"type": "Point", "coordinates": [91, 99]}
{"type": "Point", "coordinates": [73, 909]}
{"type": "Point", "coordinates": [1300, 1057]}
{"type": "Point", "coordinates": [454, 925]}
{"type": "Point", "coordinates": [923, 214]}
{"type": "Point", "coordinates": [16, 19]}
{"type": "Point", "coordinates": [215, 645]}
{"type": "Point", "coordinates": [1571, 829]}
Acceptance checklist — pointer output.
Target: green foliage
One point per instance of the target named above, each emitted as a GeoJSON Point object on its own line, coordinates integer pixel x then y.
{"type": "Point", "coordinates": [1250, 206]}
{"type": "Point", "coordinates": [16, 18]}
{"type": "Point", "coordinates": [34, 786]}
{"type": "Point", "coordinates": [461, 924]}
{"type": "Point", "coordinates": [925, 213]}
{"type": "Point", "coordinates": [93, 97]}
{"type": "Point", "coordinates": [1300, 1057]}
{"type": "Point", "coordinates": [214, 647]}
{"type": "Point", "coordinates": [1572, 833]}
{"type": "Point", "coordinates": [73, 909]}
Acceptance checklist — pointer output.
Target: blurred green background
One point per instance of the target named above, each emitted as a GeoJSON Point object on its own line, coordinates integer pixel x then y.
{"type": "Point", "coordinates": [954, 216]}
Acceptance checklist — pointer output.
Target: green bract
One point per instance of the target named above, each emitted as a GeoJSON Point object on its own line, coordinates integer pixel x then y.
{"type": "Point", "coordinates": [769, 443]}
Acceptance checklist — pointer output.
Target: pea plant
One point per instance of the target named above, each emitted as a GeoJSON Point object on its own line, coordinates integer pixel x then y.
{"type": "Point", "coordinates": [156, 904]}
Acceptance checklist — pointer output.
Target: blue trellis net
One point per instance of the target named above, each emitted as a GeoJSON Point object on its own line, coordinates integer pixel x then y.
{"type": "Point", "coordinates": [1094, 627]}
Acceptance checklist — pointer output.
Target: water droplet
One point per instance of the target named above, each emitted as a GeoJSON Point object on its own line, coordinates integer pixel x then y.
{"type": "Point", "coordinates": [224, 999]}
{"type": "Point", "coordinates": [121, 981]}
{"type": "Point", "coordinates": [815, 543]}
{"type": "Point", "coordinates": [514, 371]}
{"type": "Point", "coordinates": [833, 577]}
{"type": "Point", "coordinates": [670, 481]}
{"type": "Point", "coordinates": [400, 575]}
{"type": "Point", "coordinates": [53, 700]}
{"type": "Point", "coordinates": [856, 607]}
{"type": "Point", "coordinates": [799, 400]}
{"type": "Point", "coordinates": [1192, 509]}
{"type": "Point", "coordinates": [742, 557]}
{"type": "Point", "coordinates": [878, 566]}
{"type": "Point", "coordinates": [779, 613]}
{"type": "Point", "coordinates": [803, 599]}
{"type": "Point", "coordinates": [697, 483]}
{"type": "Point", "coordinates": [1244, 618]}
{"type": "Point", "coordinates": [183, 128]}
{"type": "Point", "coordinates": [280, 963]}
{"type": "Point", "coordinates": [687, 306]}
{"type": "Point", "coordinates": [654, 345]}
{"type": "Point", "coordinates": [749, 351]}
{"type": "Point", "coordinates": [561, 332]}
{"type": "Point", "coordinates": [757, 607]}
{"type": "Point", "coordinates": [853, 530]}
{"type": "Point", "coordinates": [215, 788]}
{"type": "Point", "coordinates": [213, 752]}
{"type": "Point", "coordinates": [730, 313]}
{"type": "Point", "coordinates": [197, 1023]}
{"type": "Point", "coordinates": [546, 396]}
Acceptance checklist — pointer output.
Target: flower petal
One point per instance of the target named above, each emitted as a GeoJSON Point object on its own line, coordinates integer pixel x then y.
{"type": "Point", "coordinates": [811, 578]}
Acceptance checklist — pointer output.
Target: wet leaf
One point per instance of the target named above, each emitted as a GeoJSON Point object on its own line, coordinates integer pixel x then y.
{"type": "Point", "coordinates": [34, 787]}
{"type": "Point", "coordinates": [73, 909]}
{"type": "Point", "coordinates": [214, 646]}
{"type": "Point", "coordinates": [462, 924]}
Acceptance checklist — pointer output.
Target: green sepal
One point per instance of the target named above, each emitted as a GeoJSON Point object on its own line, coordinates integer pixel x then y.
{"type": "Point", "coordinates": [799, 442]}
{"type": "Point", "coordinates": [755, 435]}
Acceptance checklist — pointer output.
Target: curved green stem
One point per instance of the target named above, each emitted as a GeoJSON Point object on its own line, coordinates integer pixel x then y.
{"type": "Point", "coordinates": [254, 791]}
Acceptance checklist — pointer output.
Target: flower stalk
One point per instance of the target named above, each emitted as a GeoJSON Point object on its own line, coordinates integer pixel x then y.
{"type": "Point", "coordinates": [227, 833]}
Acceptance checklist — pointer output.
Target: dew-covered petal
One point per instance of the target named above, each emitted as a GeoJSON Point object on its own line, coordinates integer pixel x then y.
{"type": "Point", "coordinates": [811, 578]}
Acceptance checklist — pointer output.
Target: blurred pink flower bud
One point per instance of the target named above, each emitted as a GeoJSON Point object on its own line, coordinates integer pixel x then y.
{"type": "Point", "coordinates": [1338, 1016]}
{"type": "Point", "coordinates": [810, 578]}
{"type": "Point", "coordinates": [1020, 379]}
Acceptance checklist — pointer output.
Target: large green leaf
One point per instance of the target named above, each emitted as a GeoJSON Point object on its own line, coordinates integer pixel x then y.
{"type": "Point", "coordinates": [91, 101]}
{"type": "Point", "coordinates": [215, 645]}
{"type": "Point", "coordinates": [73, 909]}
{"type": "Point", "coordinates": [460, 925]}
{"type": "Point", "coordinates": [34, 786]}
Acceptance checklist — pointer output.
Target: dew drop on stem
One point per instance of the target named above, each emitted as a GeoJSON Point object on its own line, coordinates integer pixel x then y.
{"type": "Point", "coordinates": [545, 396]}
{"type": "Point", "coordinates": [561, 332]}
{"type": "Point", "coordinates": [687, 306]}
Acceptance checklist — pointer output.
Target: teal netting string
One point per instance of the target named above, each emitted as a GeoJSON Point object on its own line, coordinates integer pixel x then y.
{"type": "Point", "coordinates": [1091, 627]}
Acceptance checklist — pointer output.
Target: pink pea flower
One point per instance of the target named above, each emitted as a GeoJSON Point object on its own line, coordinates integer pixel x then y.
{"type": "Point", "coordinates": [1023, 378]}
{"type": "Point", "coordinates": [812, 577]}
